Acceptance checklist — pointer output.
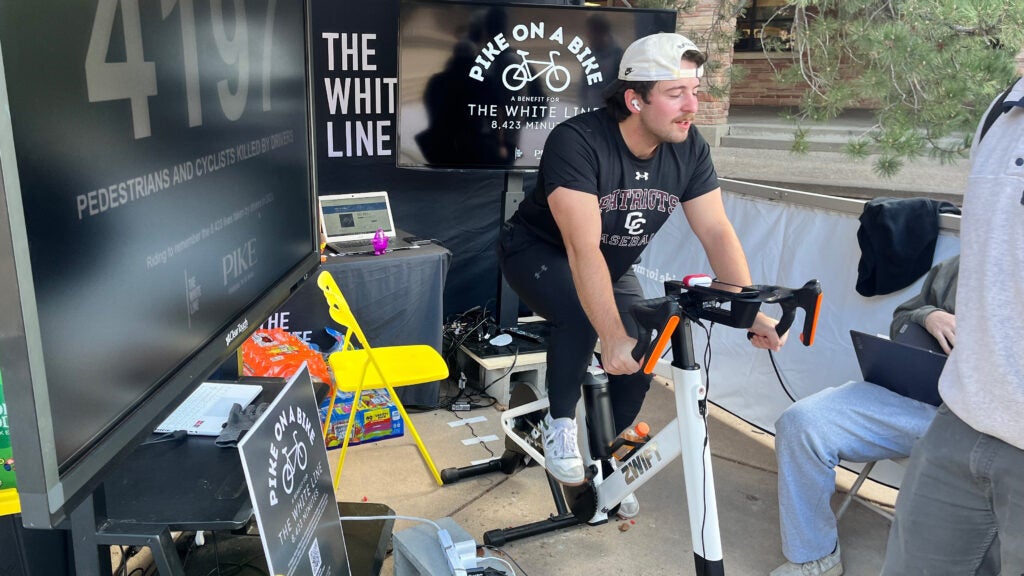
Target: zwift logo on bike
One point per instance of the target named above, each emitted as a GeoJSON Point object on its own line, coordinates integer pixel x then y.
{"type": "Point", "coordinates": [533, 66]}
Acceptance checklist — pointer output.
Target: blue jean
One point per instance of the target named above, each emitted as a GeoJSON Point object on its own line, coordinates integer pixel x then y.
{"type": "Point", "coordinates": [963, 494]}
{"type": "Point", "coordinates": [856, 422]}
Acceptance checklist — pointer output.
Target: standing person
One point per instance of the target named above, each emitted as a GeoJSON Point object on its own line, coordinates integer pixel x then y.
{"type": "Point", "coordinates": [856, 422]}
{"type": "Point", "coordinates": [964, 486]}
{"type": "Point", "coordinates": [608, 180]}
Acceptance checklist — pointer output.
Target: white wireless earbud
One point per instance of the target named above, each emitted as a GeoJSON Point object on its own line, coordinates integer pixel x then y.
{"type": "Point", "coordinates": [636, 104]}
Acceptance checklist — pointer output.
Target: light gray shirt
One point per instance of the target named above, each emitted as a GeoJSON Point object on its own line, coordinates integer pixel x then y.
{"type": "Point", "coordinates": [983, 382]}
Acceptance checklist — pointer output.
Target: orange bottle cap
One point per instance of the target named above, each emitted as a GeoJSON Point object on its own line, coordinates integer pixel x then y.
{"type": "Point", "coordinates": [643, 429]}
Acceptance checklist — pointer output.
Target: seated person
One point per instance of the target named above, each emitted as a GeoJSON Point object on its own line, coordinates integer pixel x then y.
{"type": "Point", "coordinates": [856, 422]}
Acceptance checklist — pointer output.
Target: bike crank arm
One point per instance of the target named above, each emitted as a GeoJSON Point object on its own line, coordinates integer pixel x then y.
{"type": "Point", "coordinates": [508, 427]}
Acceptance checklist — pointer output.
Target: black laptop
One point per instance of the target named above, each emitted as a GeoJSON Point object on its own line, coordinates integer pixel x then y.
{"type": "Point", "coordinates": [907, 370]}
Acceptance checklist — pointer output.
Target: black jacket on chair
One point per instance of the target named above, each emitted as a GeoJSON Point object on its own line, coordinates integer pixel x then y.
{"type": "Point", "coordinates": [897, 238]}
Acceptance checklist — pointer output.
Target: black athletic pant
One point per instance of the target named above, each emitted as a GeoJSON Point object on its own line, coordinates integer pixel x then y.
{"type": "Point", "coordinates": [540, 275]}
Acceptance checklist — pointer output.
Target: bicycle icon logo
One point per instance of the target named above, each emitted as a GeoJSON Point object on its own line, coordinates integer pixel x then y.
{"type": "Point", "coordinates": [516, 76]}
{"type": "Point", "coordinates": [296, 456]}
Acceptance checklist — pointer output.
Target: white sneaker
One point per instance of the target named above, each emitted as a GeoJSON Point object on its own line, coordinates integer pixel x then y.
{"type": "Point", "coordinates": [561, 454]}
{"type": "Point", "coordinates": [629, 507]}
{"type": "Point", "coordinates": [828, 566]}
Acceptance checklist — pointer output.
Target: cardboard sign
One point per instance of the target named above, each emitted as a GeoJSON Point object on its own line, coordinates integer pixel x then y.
{"type": "Point", "coordinates": [285, 464]}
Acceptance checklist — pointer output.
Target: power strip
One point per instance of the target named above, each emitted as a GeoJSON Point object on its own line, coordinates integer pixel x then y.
{"type": "Point", "coordinates": [450, 553]}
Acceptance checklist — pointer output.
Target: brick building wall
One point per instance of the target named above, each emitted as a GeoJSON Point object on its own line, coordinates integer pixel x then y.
{"type": "Point", "coordinates": [695, 25]}
{"type": "Point", "coordinates": [758, 87]}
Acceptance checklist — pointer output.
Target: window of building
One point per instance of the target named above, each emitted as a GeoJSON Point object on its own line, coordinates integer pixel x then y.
{"type": "Point", "coordinates": [771, 19]}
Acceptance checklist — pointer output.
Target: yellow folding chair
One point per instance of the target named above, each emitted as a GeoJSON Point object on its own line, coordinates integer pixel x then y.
{"type": "Point", "coordinates": [392, 366]}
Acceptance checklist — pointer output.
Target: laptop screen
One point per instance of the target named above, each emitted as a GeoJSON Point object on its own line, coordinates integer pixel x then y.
{"type": "Point", "coordinates": [356, 216]}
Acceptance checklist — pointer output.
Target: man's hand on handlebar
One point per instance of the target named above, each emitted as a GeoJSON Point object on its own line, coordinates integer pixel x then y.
{"type": "Point", "coordinates": [764, 335]}
{"type": "Point", "coordinates": [617, 357]}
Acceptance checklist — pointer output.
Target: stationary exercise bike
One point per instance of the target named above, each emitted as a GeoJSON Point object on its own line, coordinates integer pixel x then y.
{"type": "Point", "coordinates": [692, 299]}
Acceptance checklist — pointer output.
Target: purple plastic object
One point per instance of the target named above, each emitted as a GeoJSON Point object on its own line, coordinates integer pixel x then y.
{"type": "Point", "coordinates": [380, 242]}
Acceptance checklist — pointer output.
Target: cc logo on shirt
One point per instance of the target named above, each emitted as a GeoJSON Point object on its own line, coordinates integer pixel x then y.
{"type": "Point", "coordinates": [635, 223]}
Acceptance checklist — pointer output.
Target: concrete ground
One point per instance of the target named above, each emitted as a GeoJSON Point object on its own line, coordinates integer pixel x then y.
{"type": "Point", "coordinates": [658, 543]}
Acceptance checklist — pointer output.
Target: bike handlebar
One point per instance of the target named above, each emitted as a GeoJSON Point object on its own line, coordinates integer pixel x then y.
{"type": "Point", "coordinates": [700, 302]}
{"type": "Point", "coordinates": [662, 313]}
{"type": "Point", "coordinates": [807, 297]}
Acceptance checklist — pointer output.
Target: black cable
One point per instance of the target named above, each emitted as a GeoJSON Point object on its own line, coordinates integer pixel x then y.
{"type": "Point", "coordinates": [506, 555]}
{"type": "Point", "coordinates": [704, 417]}
{"type": "Point", "coordinates": [778, 375]}
{"type": "Point", "coordinates": [476, 401]}
{"type": "Point", "coordinates": [188, 552]}
{"type": "Point", "coordinates": [469, 332]}
{"type": "Point", "coordinates": [213, 536]}
{"type": "Point", "coordinates": [443, 403]}
{"type": "Point", "coordinates": [473, 432]}
{"type": "Point", "coordinates": [235, 567]}
{"type": "Point", "coordinates": [485, 315]}
{"type": "Point", "coordinates": [124, 561]}
{"type": "Point", "coordinates": [515, 359]}
{"type": "Point", "coordinates": [238, 567]}
{"type": "Point", "coordinates": [449, 331]}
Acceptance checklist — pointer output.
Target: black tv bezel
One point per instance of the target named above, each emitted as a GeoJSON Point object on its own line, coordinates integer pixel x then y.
{"type": "Point", "coordinates": [481, 4]}
{"type": "Point", "coordinates": [47, 493]}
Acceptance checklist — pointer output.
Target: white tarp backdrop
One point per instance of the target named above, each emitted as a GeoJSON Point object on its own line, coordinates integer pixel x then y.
{"type": "Point", "coordinates": [787, 243]}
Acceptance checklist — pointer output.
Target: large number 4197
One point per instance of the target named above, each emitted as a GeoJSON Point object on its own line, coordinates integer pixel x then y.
{"type": "Point", "coordinates": [134, 79]}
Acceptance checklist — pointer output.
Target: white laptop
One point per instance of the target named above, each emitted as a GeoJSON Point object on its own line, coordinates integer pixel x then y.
{"type": "Point", "coordinates": [206, 410]}
{"type": "Point", "coordinates": [350, 221]}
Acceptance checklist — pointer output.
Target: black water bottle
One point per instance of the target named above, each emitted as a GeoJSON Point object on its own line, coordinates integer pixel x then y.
{"type": "Point", "coordinates": [600, 422]}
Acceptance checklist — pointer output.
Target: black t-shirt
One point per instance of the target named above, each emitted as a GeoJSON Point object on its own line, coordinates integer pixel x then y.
{"type": "Point", "coordinates": [587, 153]}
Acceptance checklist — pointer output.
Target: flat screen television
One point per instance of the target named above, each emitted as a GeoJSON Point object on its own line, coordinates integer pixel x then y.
{"type": "Point", "coordinates": [481, 85]}
{"type": "Point", "coordinates": [156, 206]}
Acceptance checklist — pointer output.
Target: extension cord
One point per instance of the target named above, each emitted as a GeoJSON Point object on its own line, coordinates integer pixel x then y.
{"type": "Point", "coordinates": [450, 553]}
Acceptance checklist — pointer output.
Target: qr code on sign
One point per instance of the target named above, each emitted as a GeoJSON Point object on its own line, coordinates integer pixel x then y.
{"type": "Point", "coordinates": [314, 556]}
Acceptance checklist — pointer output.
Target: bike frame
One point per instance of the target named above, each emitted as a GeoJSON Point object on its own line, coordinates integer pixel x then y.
{"type": "Point", "coordinates": [686, 435]}
{"type": "Point", "coordinates": [685, 302]}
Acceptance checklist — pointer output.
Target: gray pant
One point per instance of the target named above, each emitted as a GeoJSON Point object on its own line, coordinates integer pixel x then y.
{"type": "Point", "coordinates": [962, 495]}
{"type": "Point", "coordinates": [856, 422]}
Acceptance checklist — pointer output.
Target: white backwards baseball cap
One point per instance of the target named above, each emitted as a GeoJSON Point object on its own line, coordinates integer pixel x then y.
{"type": "Point", "coordinates": [659, 57]}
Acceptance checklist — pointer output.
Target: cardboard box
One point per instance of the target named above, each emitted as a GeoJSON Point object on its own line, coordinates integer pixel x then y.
{"type": "Point", "coordinates": [8, 479]}
{"type": "Point", "coordinates": [377, 418]}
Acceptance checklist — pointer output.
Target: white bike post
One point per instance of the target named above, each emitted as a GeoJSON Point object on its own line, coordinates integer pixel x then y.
{"type": "Point", "coordinates": [691, 413]}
